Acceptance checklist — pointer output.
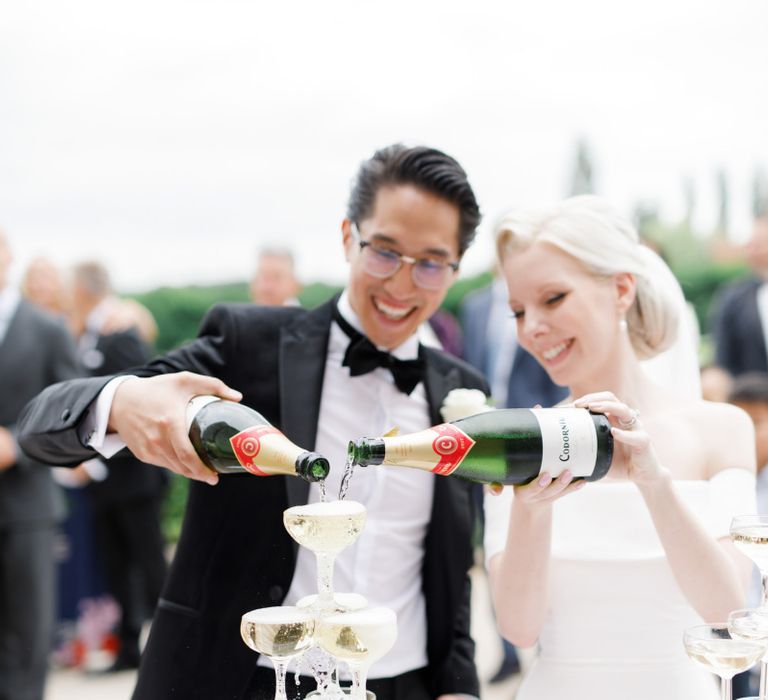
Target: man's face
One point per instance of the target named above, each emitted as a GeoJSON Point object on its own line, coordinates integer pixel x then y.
{"type": "Point", "coordinates": [275, 282]}
{"type": "Point", "coordinates": [5, 260]}
{"type": "Point", "coordinates": [411, 222]}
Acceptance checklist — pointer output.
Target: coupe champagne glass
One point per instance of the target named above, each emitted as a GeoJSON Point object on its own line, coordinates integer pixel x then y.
{"type": "Point", "coordinates": [749, 534]}
{"type": "Point", "coordinates": [358, 638]}
{"type": "Point", "coordinates": [280, 633]}
{"type": "Point", "coordinates": [326, 529]}
{"type": "Point", "coordinates": [752, 623]}
{"type": "Point", "coordinates": [713, 647]}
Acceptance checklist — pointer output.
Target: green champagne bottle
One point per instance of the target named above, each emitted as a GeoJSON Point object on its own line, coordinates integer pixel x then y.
{"type": "Point", "coordinates": [507, 446]}
{"type": "Point", "coordinates": [232, 439]}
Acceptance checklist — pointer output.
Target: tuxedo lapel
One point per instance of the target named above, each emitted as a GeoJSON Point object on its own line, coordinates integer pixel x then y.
{"type": "Point", "coordinates": [303, 348]}
{"type": "Point", "coordinates": [438, 381]}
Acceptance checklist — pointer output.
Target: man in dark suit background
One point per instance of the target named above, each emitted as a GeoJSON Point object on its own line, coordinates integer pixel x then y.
{"type": "Point", "coordinates": [35, 350]}
{"type": "Point", "coordinates": [410, 217]}
{"type": "Point", "coordinates": [126, 494]}
{"type": "Point", "coordinates": [274, 282]}
{"type": "Point", "coordinates": [740, 319]}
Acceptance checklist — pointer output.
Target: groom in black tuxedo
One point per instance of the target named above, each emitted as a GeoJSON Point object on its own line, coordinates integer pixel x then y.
{"type": "Point", "coordinates": [410, 217]}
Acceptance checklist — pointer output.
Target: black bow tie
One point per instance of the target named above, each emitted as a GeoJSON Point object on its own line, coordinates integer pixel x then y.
{"type": "Point", "coordinates": [363, 356]}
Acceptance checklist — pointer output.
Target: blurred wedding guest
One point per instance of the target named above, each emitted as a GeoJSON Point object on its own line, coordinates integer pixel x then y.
{"type": "Point", "coordinates": [605, 576]}
{"type": "Point", "coordinates": [35, 350]}
{"type": "Point", "coordinates": [716, 383]}
{"type": "Point", "coordinates": [274, 282]}
{"type": "Point", "coordinates": [128, 313]}
{"type": "Point", "coordinates": [442, 330]}
{"type": "Point", "coordinates": [126, 494]}
{"type": "Point", "coordinates": [740, 318]}
{"type": "Point", "coordinates": [78, 574]}
{"type": "Point", "coordinates": [43, 285]}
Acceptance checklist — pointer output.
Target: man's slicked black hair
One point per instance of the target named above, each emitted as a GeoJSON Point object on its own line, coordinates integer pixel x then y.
{"type": "Point", "coordinates": [426, 169]}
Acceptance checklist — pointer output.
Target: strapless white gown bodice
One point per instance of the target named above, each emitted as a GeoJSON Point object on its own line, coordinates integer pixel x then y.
{"type": "Point", "coordinates": [615, 623]}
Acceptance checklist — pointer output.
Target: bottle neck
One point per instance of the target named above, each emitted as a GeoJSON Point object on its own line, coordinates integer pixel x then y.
{"type": "Point", "coordinates": [195, 405]}
{"type": "Point", "coordinates": [312, 466]}
{"type": "Point", "coordinates": [366, 451]}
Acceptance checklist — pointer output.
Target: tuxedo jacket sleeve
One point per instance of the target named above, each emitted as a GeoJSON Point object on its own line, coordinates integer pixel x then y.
{"type": "Point", "coordinates": [128, 478]}
{"type": "Point", "coordinates": [234, 554]}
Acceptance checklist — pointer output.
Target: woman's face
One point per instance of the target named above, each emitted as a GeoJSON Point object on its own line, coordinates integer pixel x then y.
{"type": "Point", "coordinates": [567, 317]}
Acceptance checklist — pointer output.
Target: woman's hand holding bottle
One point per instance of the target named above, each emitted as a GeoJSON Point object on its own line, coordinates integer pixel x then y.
{"type": "Point", "coordinates": [634, 456]}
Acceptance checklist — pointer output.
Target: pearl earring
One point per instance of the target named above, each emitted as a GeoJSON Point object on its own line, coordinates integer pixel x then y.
{"type": "Point", "coordinates": [623, 324]}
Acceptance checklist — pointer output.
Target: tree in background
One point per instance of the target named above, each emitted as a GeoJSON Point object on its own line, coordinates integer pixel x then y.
{"type": "Point", "coordinates": [582, 179]}
{"type": "Point", "coordinates": [759, 193]}
{"type": "Point", "coordinates": [723, 217]}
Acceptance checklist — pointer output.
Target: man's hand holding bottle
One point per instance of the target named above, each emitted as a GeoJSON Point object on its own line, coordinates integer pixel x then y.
{"type": "Point", "coordinates": [149, 415]}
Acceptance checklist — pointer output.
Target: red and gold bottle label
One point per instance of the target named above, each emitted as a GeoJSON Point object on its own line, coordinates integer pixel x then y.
{"type": "Point", "coordinates": [440, 449]}
{"type": "Point", "coordinates": [263, 450]}
{"type": "Point", "coordinates": [451, 446]}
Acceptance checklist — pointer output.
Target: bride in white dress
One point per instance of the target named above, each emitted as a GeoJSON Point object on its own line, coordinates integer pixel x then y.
{"type": "Point", "coordinates": [605, 576]}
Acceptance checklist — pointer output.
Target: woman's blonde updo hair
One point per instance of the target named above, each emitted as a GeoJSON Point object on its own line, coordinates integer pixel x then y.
{"type": "Point", "coordinates": [590, 230]}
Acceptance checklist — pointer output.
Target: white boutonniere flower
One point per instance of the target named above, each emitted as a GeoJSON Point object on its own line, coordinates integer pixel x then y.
{"type": "Point", "coordinates": [461, 403]}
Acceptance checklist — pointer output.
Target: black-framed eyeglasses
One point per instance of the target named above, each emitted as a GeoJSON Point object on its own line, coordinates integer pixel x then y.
{"type": "Point", "coordinates": [383, 263]}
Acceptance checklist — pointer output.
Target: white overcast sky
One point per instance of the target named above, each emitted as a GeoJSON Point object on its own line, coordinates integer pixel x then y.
{"type": "Point", "coordinates": [172, 138]}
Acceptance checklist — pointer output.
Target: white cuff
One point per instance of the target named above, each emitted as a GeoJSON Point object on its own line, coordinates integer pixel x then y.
{"type": "Point", "coordinates": [97, 470]}
{"type": "Point", "coordinates": [93, 429]}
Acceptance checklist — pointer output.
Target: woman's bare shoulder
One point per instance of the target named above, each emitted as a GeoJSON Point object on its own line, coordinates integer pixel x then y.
{"type": "Point", "coordinates": [726, 432]}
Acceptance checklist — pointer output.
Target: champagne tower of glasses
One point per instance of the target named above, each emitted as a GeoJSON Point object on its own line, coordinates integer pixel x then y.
{"type": "Point", "coordinates": [734, 646]}
{"type": "Point", "coordinates": [327, 628]}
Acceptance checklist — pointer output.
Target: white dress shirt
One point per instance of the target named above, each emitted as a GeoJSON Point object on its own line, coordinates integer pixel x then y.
{"type": "Point", "coordinates": [384, 564]}
{"type": "Point", "coordinates": [762, 309]}
{"type": "Point", "coordinates": [9, 301]}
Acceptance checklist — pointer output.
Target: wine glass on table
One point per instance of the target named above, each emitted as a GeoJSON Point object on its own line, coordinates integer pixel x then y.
{"type": "Point", "coordinates": [749, 534]}
{"type": "Point", "coordinates": [280, 633]}
{"type": "Point", "coordinates": [712, 647]}
{"type": "Point", "coordinates": [359, 638]}
{"type": "Point", "coordinates": [752, 623]}
{"type": "Point", "coordinates": [326, 529]}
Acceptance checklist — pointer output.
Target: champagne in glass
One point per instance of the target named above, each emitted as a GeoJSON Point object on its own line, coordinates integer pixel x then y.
{"type": "Point", "coordinates": [713, 647]}
{"type": "Point", "coordinates": [749, 533]}
{"type": "Point", "coordinates": [359, 638]}
{"type": "Point", "coordinates": [752, 624]}
{"type": "Point", "coordinates": [280, 633]}
{"type": "Point", "coordinates": [326, 529]}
